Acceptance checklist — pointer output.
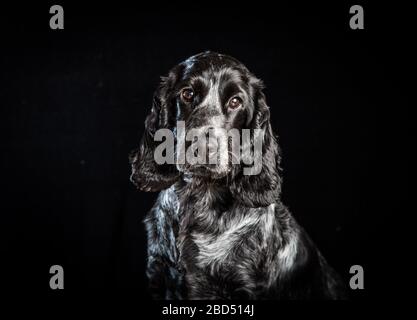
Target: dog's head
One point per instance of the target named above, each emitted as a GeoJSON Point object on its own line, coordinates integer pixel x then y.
{"type": "Point", "coordinates": [209, 98]}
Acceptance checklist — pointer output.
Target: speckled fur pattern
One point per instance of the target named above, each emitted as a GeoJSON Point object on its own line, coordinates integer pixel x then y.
{"type": "Point", "coordinates": [225, 236]}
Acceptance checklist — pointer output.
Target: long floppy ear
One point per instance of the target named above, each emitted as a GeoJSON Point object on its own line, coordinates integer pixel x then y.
{"type": "Point", "coordinates": [147, 175]}
{"type": "Point", "coordinates": [264, 188]}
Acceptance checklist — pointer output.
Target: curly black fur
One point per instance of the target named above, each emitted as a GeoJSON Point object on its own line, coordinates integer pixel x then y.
{"type": "Point", "coordinates": [228, 236]}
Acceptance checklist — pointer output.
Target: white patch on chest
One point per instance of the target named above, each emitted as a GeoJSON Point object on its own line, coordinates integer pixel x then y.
{"type": "Point", "coordinates": [215, 249]}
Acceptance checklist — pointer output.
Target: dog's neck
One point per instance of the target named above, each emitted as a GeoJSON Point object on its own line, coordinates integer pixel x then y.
{"type": "Point", "coordinates": [203, 192]}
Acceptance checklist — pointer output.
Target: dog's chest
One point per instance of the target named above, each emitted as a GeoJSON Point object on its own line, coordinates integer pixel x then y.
{"type": "Point", "coordinates": [218, 255]}
{"type": "Point", "coordinates": [216, 245]}
{"type": "Point", "coordinates": [218, 249]}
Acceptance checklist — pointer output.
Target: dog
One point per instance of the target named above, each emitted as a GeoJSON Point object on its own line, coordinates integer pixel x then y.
{"type": "Point", "coordinates": [214, 232]}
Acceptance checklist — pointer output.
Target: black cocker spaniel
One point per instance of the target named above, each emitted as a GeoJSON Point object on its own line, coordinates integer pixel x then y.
{"type": "Point", "coordinates": [215, 231]}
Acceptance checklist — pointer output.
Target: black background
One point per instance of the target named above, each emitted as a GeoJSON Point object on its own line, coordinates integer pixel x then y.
{"type": "Point", "coordinates": [73, 103]}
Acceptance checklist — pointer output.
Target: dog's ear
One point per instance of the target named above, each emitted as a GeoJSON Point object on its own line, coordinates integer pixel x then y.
{"type": "Point", "coordinates": [147, 175]}
{"type": "Point", "coordinates": [262, 189]}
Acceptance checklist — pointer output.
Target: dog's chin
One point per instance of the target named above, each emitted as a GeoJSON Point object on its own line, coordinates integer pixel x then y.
{"type": "Point", "coordinates": [205, 171]}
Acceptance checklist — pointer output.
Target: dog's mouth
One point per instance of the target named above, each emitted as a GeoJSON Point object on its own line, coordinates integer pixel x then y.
{"type": "Point", "coordinates": [212, 171]}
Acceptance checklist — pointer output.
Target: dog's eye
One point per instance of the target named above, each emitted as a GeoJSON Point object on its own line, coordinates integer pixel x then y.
{"type": "Point", "coordinates": [234, 103]}
{"type": "Point", "coordinates": [187, 95]}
